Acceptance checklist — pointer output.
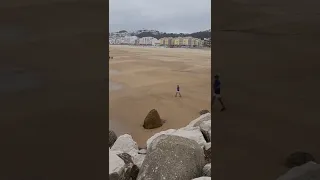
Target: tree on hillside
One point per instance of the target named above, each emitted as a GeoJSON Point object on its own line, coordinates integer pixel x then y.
{"type": "Point", "coordinates": [122, 31]}
{"type": "Point", "coordinates": [200, 35]}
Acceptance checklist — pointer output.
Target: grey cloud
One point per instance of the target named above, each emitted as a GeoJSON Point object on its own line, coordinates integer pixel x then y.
{"type": "Point", "coordinates": [166, 15]}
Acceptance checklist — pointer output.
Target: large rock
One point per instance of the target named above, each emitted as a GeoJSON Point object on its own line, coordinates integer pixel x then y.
{"type": "Point", "coordinates": [298, 159]}
{"type": "Point", "coordinates": [167, 132]}
{"type": "Point", "coordinates": [202, 178]}
{"type": "Point", "coordinates": [138, 159]}
{"type": "Point", "coordinates": [115, 164]}
{"type": "Point", "coordinates": [127, 159]}
{"type": "Point", "coordinates": [129, 171]}
{"type": "Point", "coordinates": [199, 120]}
{"type": "Point", "coordinates": [112, 138]}
{"type": "Point", "coordinates": [204, 111]}
{"type": "Point", "coordinates": [126, 144]}
{"type": "Point", "coordinates": [152, 120]}
{"type": "Point", "coordinates": [114, 176]}
{"type": "Point", "coordinates": [206, 171]}
{"type": "Point", "coordinates": [193, 133]}
{"type": "Point", "coordinates": [205, 128]}
{"type": "Point", "coordinates": [142, 151]}
{"type": "Point", "coordinates": [207, 152]}
{"type": "Point", "coordinates": [174, 158]}
{"type": "Point", "coordinates": [308, 171]}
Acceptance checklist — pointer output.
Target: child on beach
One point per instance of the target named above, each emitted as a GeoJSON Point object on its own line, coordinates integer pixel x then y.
{"type": "Point", "coordinates": [178, 91]}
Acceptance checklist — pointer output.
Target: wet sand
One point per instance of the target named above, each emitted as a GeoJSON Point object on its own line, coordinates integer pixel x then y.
{"type": "Point", "coordinates": [148, 77]}
{"type": "Point", "coordinates": [269, 62]}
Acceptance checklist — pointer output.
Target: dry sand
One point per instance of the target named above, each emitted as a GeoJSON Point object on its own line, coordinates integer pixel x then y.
{"type": "Point", "coordinates": [148, 77]}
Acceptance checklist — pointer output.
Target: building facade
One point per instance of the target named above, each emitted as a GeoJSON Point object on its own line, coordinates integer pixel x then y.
{"type": "Point", "coordinates": [168, 41]}
{"type": "Point", "coordinates": [130, 40]}
{"type": "Point", "coordinates": [187, 41]}
{"type": "Point", "coordinates": [155, 42]}
{"type": "Point", "coordinates": [207, 42]}
{"type": "Point", "coordinates": [148, 41]}
{"type": "Point", "coordinates": [178, 41]}
{"type": "Point", "coordinates": [161, 41]}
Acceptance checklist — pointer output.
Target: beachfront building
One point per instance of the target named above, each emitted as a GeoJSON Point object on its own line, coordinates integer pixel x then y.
{"type": "Point", "coordinates": [120, 40]}
{"type": "Point", "coordinates": [195, 42]}
{"type": "Point", "coordinates": [178, 42]}
{"type": "Point", "coordinates": [186, 41]}
{"type": "Point", "coordinates": [115, 40]}
{"type": "Point", "coordinates": [168, 41]}
{"type": "Point", "coordinates": [201, 42]}
{"type": "Point", "coordinates": [207, 42]}
{"type": "Point", "coordinates": [111, 40]}
{"type": "Point", "coordinates": [155, 42]}
{"type": "Point", "coordinates": [129, 40]}
{"type": "Point", "coordinates": [147, 41]}
{"type": "Point", "coordinates": [161, 41]}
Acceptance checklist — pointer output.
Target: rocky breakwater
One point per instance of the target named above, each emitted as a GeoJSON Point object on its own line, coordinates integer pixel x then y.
{"type": "Point", "coordinates": [302, 166]}
{"type": "Point", "coordinates": [175, 154]}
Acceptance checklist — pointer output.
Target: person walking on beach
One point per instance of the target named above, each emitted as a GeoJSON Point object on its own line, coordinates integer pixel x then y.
{"type": "Point", "coordinates": [217, 93]}
{"type": "Point", "coordinates": [178, 91]}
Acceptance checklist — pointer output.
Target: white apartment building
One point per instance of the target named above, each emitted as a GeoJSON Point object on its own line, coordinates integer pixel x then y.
{"type": "Point", "coordinates": [118, 40]}
{"type": "Point", "coordinates": [147, 40]}
{"type": "Point", "coordinates": [130, 40]}
{"type": "Point", "coordinates": [111, 41]}
{"type": "Point", "coordinates": [155, 42]}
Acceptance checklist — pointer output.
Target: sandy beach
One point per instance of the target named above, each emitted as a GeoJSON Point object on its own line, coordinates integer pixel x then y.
{"type": "Point", "coordinates": [143, 78]}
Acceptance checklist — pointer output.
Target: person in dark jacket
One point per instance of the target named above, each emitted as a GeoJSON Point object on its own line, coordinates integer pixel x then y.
{"type": "Point", "coordinates": [217, 92]}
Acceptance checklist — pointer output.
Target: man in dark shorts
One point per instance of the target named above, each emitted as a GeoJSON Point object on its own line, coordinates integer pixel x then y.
{"type": "Point", "coordinates": [178, 91]}
{"type": "Point", "coordinates": [216, 92]}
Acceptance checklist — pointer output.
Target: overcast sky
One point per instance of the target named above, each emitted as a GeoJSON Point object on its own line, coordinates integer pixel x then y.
{"type": "Point", "coordinates": [163, 15]}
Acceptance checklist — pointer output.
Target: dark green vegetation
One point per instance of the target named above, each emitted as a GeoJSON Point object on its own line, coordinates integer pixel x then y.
{"type": "Point", "coordinates": [200, 35]}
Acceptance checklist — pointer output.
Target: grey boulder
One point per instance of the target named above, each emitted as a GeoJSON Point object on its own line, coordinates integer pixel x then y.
{"type": "Point", "coordinates": [112, 138]}
{"type": "Point", "coordinates": [207, 170]}
{"type": "Point", "coordinates": [173, 158]}
{"type": "Point", "coordinates": [129, 171]}
{"type": "Point", "coordinates": [202, 178]}
{"type": "Point", "coordinates": [116, 164]}
{"type": "Point", "coordinates": [207, 152]}
{"type": "Point", "coordinates": [126, 144]}
{"type": "Point", "coordinates": [205, 128]}
{"type": "Point", "coordinates": [298, 158]}
{"type": "Point", "coordinates": [192, 133]}
{"type": "Point", "coordinates": [199, 120]}
{"type": "Point", "coordinates": [308, 171]}
{"type": "Point", "coordinates": [204, 111]}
